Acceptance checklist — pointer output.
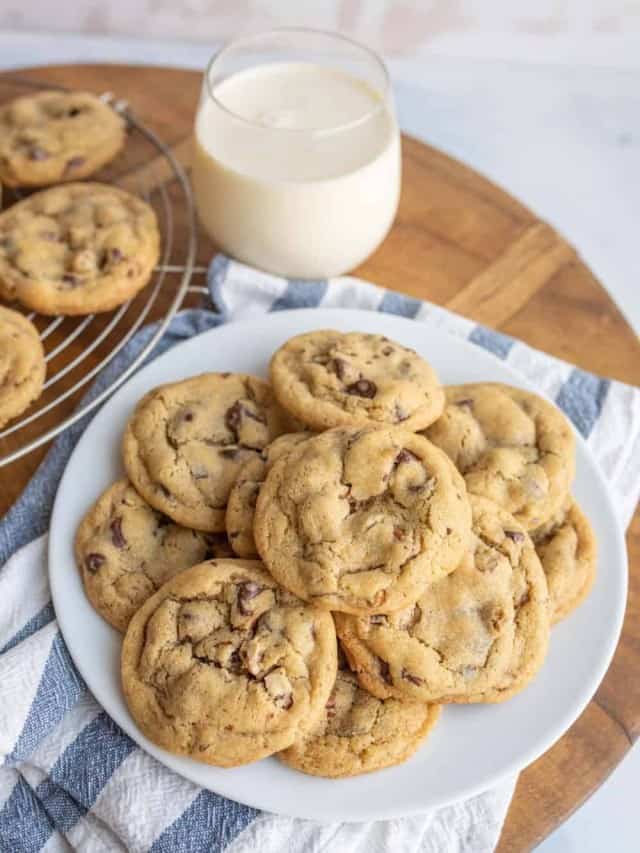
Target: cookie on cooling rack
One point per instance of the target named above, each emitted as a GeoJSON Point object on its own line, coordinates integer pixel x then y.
{"type": "Point", "coordinates": [22, 364]}
{"type": "Point", "coordinates": [77, 249]}
{"type": "Point", "coordinates": [49, 137]}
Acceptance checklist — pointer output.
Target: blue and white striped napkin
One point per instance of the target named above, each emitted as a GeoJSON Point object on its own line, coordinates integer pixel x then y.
{"type": "Point", "coordinates": [71, 780]}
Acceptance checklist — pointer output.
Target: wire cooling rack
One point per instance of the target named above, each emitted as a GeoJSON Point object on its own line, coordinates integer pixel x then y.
{"type": "Point", "coordinates": [78, 348]}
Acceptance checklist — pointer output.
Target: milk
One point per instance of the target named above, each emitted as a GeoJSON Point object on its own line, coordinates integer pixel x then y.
{"type": "Point", "coordinates": [296, 168]}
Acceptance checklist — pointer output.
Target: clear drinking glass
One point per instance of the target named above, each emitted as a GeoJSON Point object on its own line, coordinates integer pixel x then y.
{"type": "Point", "coordinates": [297, 156]}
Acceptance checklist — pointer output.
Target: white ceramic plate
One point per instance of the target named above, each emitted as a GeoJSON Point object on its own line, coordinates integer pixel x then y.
{"type": "Point", "coordinates": [472, 747]}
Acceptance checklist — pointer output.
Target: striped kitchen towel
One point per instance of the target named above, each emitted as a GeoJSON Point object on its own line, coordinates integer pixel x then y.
{"type": "Point", "coordinates": [71, 780]}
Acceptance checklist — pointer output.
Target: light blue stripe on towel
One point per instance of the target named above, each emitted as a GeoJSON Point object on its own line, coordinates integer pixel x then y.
{"type": "Point", "coordinates": [25, 826]}
{"type": "Point", "coordinates": [400, 304]}
{"type": "Point", "coordinates": [301, 294]}
{"type": "Point", "coordinates": [581, 398]}
{"type": "Point", "coordinates": [82, 771]}
{"type": "Point", "coordinates": [60, 688]}
{"type": "Point", "coordinates": [42, 618]}
{"type": "Point", "coordinates": [493, 341]}
{"type": "Point", "coordinates": [209, 824]}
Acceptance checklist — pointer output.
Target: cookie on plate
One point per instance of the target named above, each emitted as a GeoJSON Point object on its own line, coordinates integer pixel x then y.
{"type": "Point", "coordinates": [512, 447]}
{"type": "Point", "coordinates": [77, 249]}
{"type": "Point", "coordinates": [22, 364]}
{"type": "Point", "coordinates": [358, 733]}
{"type": "Point", "coordinates": [224, 666]}
{"type": "Point", "coordinates": [362, 520]}
{"type": "Point", "coordinates": [478, 635]}
{"type": "Point", "coordinates": [241, 504]}
{"type": "Point", "coordinates": [54, 136]}
{"type": "Point", "coordinates": [185, 442]}
{"type": "Point", "coordinates": [568, 551]}
{"type": "Point", "coordinates": [329, 378]}
{"type": "Point", "coordinates": [125, 551]}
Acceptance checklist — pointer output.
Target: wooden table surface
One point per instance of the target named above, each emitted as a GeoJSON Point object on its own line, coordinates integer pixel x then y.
{"type": "Point", "coordinates": [458, 241]}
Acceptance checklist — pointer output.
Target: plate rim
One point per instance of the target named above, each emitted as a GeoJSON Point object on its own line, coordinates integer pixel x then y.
{"type": "Point", "coordinates": [568, 717]}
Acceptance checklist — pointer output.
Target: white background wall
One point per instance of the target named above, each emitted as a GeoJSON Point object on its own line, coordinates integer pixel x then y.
{"type": "Point", "coordinates": [392, 26]}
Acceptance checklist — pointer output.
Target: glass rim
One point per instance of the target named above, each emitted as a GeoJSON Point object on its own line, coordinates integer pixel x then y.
{"type": "Point", "coordinates": [232, 43]}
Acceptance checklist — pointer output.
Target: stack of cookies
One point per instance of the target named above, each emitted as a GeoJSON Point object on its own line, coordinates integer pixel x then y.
{"type": "Point", "coordinates": [313, 567]}
{"type": "Point", "coordinates": [76, 249]}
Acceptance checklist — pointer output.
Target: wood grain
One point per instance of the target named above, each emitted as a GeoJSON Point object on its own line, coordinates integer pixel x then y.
{"type": "Point", "coordinates": [462, 242]}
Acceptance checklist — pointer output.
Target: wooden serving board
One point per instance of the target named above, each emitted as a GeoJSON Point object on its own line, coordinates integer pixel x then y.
{"type": "Point", "coordinates": [461, 242]}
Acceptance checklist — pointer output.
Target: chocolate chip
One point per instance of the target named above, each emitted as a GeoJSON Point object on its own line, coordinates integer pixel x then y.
{"type": "Point", "coordinates": [339, 366]}
{"type": "Point", "coordinates": [235, 662]}
{"type": "Point", "coordinates": [69, 278]}
{"type": "Point", "coordinates": [387, 351]}
{"type": "Point", "coordinates": [117, 536]}
{"type": "Point", "coordinates": [285, 702]}
{"type": "Point", "coordinates": [466, 402]}
{"type": "Point", "coordinates": [449, 531]}
{"type": "Point", "coordinates": [233, 417]}
{"type": "Point", "coordinates": [363, 388]}
{"type": "Point", "coordinates": [229, 452]}
{"type": "Point", "coordinates": [400, 414]}
{"type": "Point", "coordinates": [38, 153]}
{"type": "Point", "coordinates": [254, 415]}
{"type": "Point", "coordinates": [514, 535]}
{"type": "Point", "coordinates": [74, 163]}
{"type": "Point", "coordinates": [406, 456]}
{"type": "Point", "coordinates": [93, 562]}
{"type": "Point", "coordinates": [246, 592]}
{"type": "Point", "coordinates": [74, 111]}
{"type": "Point", "coordinates": [412, 678]}
{"type": "Point", "coordinates": [188, 416]}
{"type": "Point", "coordinates": [385, 672]}
{"type": "Point", "coordinates": [398, 533]}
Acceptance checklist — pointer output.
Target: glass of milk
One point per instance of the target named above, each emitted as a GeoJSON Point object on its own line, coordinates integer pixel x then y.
{"type": "Point", "coordinates": [297, 157]}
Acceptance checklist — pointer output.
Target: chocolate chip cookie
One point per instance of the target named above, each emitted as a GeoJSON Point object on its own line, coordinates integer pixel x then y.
{"type": "Point", "coordinates": [77, 249]}
{"type": "Point", "coordinates": [328, 379]}
{"type": "Point", "coordinates": [126, 550]}
{"type": "Point", "coordinates": [362, 520]}
{"type": "Point", "coordinates": [512, 447]}
{"type": "Point", "coordinates": [244, 492]}
{"type": "Point", "coordinates": [22, 364]}
{"type": "Point", "coordinates": [53, 136]}
{"type": "Point", "coordinates": [568, 551]}
{"type": "Point", "coordinates": [185, 443]}
{"type": "Point", "coordinates": [478, 635]}
{"type": "Point", "coordinates": [358, 733]}
{"type": "Point", "coordinates": [224, 666]}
